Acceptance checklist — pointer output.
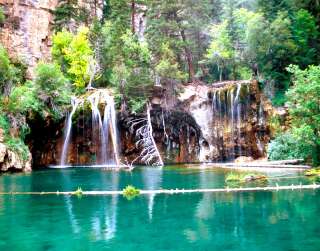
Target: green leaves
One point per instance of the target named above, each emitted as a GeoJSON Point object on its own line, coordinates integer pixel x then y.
{"type": "Point", "coordinates": [290, 145]}
{"type": "Point", "coordinates": [304, 108]}
{"type": "Point", "coordinates": [52, 88]}
{"type": "Point", "coordinates": [23, 99]}
{"type": "Point", "coordinates": [73, 53]}
{"type": "Point", "coordinates": [2, 16]}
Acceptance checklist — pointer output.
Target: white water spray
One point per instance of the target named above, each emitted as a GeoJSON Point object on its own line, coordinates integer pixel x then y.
{"type": "Point", "coordinates": [101, 128]}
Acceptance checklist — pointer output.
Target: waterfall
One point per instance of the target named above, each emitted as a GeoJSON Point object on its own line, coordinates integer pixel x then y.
{"type": "Point", "coordinates": [98, 129]}
{"type": "Point", "coordinates": [67, 132]}
{"type": "Point", "coordinates": [227, 113]}
{"type": "Point", "coordinates": [238, 106]}
{"type": "Point", "coordinates": [110, 126]}
{"type": "Point", "coordinates": [232, 143]}
{"type": "Point", "coordinates": [106, 151]}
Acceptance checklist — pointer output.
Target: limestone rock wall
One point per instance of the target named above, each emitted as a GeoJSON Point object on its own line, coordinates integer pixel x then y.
{"type": "Point", "coordinates": [27, 30]}
{"type": "Point", "coordinates": [202, 123]}
{"type": "Point", "coordinates": [10, 160]}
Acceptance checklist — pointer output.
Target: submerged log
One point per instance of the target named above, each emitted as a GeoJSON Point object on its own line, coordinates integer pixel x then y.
{"type": "Point", "coordinates": [283, 162]}
{"type": "Point", "coordinates": [257, 166]}
{"type": "Point", "coordinates": [174, 191]}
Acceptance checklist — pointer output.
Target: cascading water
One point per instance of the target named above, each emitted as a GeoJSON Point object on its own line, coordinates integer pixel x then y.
{"type": "Point", "coordinates": [67, 132]}
{"type": "Point", "coordinates": [238, 106]}
{"type": "Point", "coordinates": [103, 128]}
{"type": "Point", "coordinates": [227, 118]}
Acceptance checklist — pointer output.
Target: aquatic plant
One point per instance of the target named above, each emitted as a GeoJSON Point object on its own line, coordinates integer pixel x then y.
{"type": "Point", "coordinates": [312, 172]}
{"type": "Point", "coordinates": [244, 177]}
{"type": "Point", "coordinates": [130, 192]}
{"type": "Point", "coordinates": [78, 192]}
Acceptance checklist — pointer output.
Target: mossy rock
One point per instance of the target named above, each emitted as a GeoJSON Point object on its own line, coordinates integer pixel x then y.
{"type": "Point", "coordinates": [245, 177]}
{"type": "Point", "coordinates": [312, 172]}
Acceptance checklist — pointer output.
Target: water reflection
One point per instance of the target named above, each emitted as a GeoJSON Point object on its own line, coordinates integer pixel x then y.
{"type": "Point", "coordinates": [227, 221]}
{"type": "Point", "coordinates": [152, 179]}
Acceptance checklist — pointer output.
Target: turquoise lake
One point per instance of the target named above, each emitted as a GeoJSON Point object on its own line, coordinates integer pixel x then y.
{"type": "Point", "coordinates": [284, 220]}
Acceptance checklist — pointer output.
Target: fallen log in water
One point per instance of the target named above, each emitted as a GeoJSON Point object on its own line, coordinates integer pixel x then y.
{"type": "Point", "coordinates": [174, 191]}
{"type": "Point", "coordinates": [257, 165]}
{"type": "Point", "coordinates": [283, 162]}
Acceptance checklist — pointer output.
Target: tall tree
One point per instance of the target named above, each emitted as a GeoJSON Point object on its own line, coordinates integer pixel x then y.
{"type": "Point", "coordinates": [180, 25]}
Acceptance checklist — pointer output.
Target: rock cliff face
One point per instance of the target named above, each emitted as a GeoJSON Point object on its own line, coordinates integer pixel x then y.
{"type": "Point", "coordinates": [10, 160]}
{"type": "Point", "coordinates": [27, 31]}
{"type": "Point", "coordinates": [202, 123]}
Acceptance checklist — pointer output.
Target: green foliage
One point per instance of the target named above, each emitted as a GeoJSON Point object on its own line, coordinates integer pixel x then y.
{"type": "Point", "coordinates": [312, 172]}
{"type": "Point", "coordinates": [127, 64]}
{"type": "Point", "coordinates": [17, 145]}
{"type": "Point", "coordinates": [265, 41]}
{"type": "Point", "coordinates": [4, 123]}
{"type": "Point", "coordinates": [23, 99]}
{"type": "Point", "coordinates": [290, 145]}
{"type": "Point", "coordinates": [130, 192]}
{"type": "Point", "coordinates": [53, 89]}
{"type": "Point", "coordinates": [11, 72]}
{"type": "Point", "coordinates": [137, 105]}
{"type": "Point", "coordinates": [279, 98]}
{"type": "Point", "coordinates": [220, 51]}
{"type": "Point", "coordinates": [178, 25]}
{"type": "Point", "coordinates": [2, 16]}
{"type": "Point", "coordinates": [240, 177]}
{"type": "Point", "coordinates": [303, 102]}
{"type": "Point", "coordinates": [6, 69]}
{"type": "Point", "coordinates": [274, 123]}
{"type": "Point", "coordinates": [167, 66]}
{"type": "Point", "coordinates": [73, 53]}
{"type": "Point", "coordinates": [68, 11]}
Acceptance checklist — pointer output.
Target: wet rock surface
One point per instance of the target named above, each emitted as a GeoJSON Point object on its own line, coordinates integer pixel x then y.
{"type": "Point", "coordinates": [202, 123]}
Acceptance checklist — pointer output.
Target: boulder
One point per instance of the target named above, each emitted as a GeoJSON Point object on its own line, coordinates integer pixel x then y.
{"type": "Point", "coordinates": [10, 160]}
{"type": "Point", "coordinates": [243, 159]}
{"type": "Point", "coordinates": [1, 135]}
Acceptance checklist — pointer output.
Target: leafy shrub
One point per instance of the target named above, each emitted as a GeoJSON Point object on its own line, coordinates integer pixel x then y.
{"type": "Point", "coordinates": [53, 89]}
{"type": "Point", "coordinates": [24, 99]}
{"type": "Point", "coordinates": [17, 145]}
{"type": "Point", "coordinates": [11, 72]}
{"type": "Point", "coordinates": [73, 53]}
{"type": "Point", "coordinates": [279, 98]}
{"type": "Point", "coordinates": [137, 105]}
{"type": "Point", "coordinates": [289, 145]}
{"type": "Point", "coordinates": [4, 123]}
{"type": "Point", "coordinates": [66, 11]}
{"type": "Point", "coordinates": [2, 16]}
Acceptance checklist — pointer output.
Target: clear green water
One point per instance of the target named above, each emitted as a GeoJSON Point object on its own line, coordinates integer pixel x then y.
{"type": "Point", "coordinates": [286, 220]}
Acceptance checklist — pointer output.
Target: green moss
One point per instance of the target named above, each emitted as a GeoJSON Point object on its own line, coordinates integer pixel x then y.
{"type": "Point", "coordinates": [312, 172]}
{"type": "Point", "coordinates": [18, 146]}
{"type": "Point", "coordinates": [2, 16]}
{"type": "Point", "coordinates": [240, 177]}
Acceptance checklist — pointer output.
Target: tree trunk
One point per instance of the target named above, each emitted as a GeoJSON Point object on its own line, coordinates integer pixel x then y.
{"type": "Point", "coordinates": [188, 56]}
{"type": "Point", "coordinates": [123, 108]}
{"type": "Point", "coordinates": [133, 15]}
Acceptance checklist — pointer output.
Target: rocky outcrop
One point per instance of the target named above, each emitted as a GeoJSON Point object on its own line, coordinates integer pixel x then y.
{"type": "Point", "coordinates": [203, 123]}
{"type": "Point", "coordinates": [26, 33]}
{"type": "Point", "coordinates": [12, 161]}
{"type": "Point", "coordinates": [232, 117]}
